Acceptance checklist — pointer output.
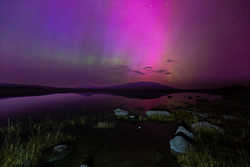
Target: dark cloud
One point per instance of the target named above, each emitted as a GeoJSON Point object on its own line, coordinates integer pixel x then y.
{"type": "Point", "coordinates": [119, 69]}
{"type": "Point", "coordinates": [169, 60]}
{"type": "Point", "coordinates": [181, 72]}
{"type": "Point", "coordinates": [160, 71]}
{"type": "Point", "coordinates": [148, 68]}
{"type": "Point", "coordinates": [167, 73]}
{"type": "Point", "coordinates": [139, 72]}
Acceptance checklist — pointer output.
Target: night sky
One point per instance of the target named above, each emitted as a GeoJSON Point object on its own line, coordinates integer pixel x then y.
{"type": "Point", "coordinates": [179, 43]}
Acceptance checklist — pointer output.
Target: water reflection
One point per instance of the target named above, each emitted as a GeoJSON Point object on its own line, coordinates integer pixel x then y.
{"type": "Point", "coordinates": [59, 106]}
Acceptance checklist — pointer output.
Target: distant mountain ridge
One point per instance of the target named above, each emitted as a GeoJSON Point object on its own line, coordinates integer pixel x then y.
{"type": "Point", "coordinates": [143, 85]}
{"type": "Point", "coordinates": [5, 83]}
{"type": "Point", "coordinates": [88, 86]}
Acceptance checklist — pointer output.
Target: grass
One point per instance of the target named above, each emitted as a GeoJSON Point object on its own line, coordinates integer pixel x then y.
{"type": "Point", "coordinates": [224, 150]}
{"type": "Point", "coordinates": [160, 118]}
{"type": "Point", "coordinates": [104, 125]}
{"type": "Point", "coordinates": [213, 148]}
{"type": "Point", "coordinates": [23, 147]}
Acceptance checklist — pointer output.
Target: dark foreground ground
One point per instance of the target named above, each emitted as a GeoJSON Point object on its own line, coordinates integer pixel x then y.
{"type": "Point", "coordinates": [123, 146]}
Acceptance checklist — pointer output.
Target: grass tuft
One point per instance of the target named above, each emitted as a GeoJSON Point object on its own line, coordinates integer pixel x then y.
{"type": "Point", "coordinates": [23, 147]}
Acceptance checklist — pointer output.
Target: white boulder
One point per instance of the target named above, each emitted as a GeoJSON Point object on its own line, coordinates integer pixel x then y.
{"type": "Point", "coordinates": [120, 112]}
{"type": "Point", "coordinates": [185, 131]}
{"type": "Point", "coordinates": [179, 145]}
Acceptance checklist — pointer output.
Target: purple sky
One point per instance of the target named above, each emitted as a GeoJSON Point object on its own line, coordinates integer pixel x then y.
{"type": "Point", "coordinates": [179, 43]}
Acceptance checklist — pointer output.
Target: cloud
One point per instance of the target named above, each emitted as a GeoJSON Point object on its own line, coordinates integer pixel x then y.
{"type": "Point", "coordinates": [148, 68]}
{"type": "Point", "coordinates": [139, 72]}
{"type": "Point", "coordinates": [167, 73]}
{"type": "Point", "coordinates": [169, 60]}
{"type": "Point", "coordinates": [160, 71]}
{"type": "Point", "coordinates": [120, 69]}
{"type": "Point", "coordinates": [181, 72]}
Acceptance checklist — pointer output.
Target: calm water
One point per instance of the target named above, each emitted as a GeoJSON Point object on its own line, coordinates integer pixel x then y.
{"type": "Point", "coordinates": [66, 105]}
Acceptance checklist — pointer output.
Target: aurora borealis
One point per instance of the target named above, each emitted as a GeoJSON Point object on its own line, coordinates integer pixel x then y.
{"type": "Point", "coordinates": [183, 44]}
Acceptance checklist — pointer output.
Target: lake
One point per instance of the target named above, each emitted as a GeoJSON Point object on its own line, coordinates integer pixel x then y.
{"type": "Point", "coordinates": [61, 106]}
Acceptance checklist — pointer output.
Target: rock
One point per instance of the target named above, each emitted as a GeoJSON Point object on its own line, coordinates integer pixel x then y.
{"type": "Point", "coordinates": [179, 145]}
{"type": "Point", "coordinates": [230, 117]}
{"type": "Point", "coordinates": [148, 113]}
{"type": "Point", "coordinates": [189, 111]}
{"type": "Point", "coordinates": [189, 97]}
{"type": "Point", "coordinates": [120, 112]}
{"type": "Point", "coordinates": [205, 124]}
{"type": "Point", "coordinates": [58, 152]}
{"type": "Point", "coordinates": [169, 97]}
{"type": "Point", "coordinates": [84, 165]}
{"type": "Point", "coordinates": [185, 131]}
{"type": "Point", "coordinates": [202, 115]}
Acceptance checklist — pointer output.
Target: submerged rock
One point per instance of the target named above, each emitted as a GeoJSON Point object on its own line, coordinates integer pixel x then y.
{"type": "Point", "coordinates": [149, 113]}
{"type": "Point", "coordinates": [120, 112]}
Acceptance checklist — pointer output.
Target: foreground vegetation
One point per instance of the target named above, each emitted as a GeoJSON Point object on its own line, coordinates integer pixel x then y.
{"type": "Point", "coordinates": [23, 145]}
{"type": "Point", "coordinates": [215, 148]}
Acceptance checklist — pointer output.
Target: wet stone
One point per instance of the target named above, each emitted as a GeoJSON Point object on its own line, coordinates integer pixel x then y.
{"type": "Point", "coordinates": [56, 153]}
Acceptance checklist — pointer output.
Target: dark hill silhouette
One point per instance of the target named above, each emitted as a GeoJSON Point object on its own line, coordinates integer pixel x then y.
{"type": "Point", "coordinates": [140, 86]}
{"type": "Point", "coordinates": [88, 86]}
